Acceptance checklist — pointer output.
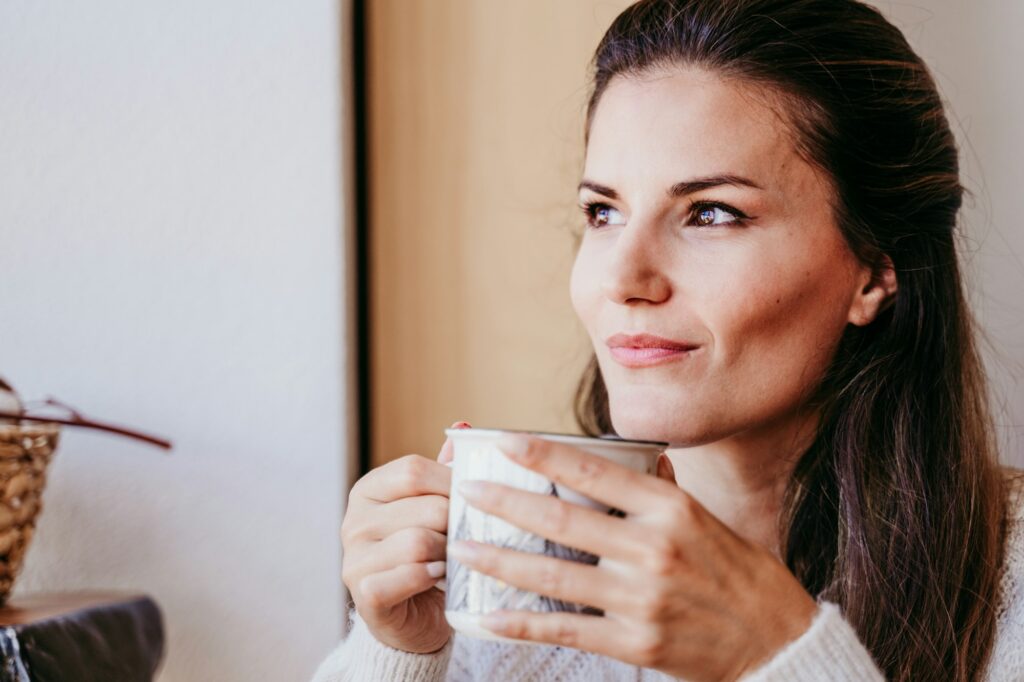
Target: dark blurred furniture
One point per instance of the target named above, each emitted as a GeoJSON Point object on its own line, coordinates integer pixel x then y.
{"type": "Point", "coordinates": [81, 636]}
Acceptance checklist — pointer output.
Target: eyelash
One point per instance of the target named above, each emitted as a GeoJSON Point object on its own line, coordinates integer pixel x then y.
{"type": "Point", "coordinates": [590, 208]}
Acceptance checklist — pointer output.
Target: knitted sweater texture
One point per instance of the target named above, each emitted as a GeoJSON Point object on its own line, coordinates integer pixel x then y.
{"type": "Point", "coordinates": [828, 650]}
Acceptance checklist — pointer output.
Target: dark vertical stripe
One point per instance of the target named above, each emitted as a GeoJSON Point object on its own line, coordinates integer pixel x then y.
{"type": "Point", "coordinates": [360, 59]}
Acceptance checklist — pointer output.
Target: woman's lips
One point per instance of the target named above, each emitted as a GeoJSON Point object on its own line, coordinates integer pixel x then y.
{"type": "Point", "coordinates": [645, 357]}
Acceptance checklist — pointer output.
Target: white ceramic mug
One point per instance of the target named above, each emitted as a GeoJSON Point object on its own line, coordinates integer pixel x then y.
{"type": "Point", "coordinates": [470, 594]}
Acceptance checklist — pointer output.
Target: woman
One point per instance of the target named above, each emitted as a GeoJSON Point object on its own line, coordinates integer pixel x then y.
{"type": "Point", "coordinates": [771, 189]}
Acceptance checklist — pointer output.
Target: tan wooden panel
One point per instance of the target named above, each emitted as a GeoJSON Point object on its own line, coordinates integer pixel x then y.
{"type": "Point", "coordinates": [475, 119]}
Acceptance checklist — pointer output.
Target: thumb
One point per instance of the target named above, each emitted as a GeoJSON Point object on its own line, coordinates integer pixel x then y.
{"type": "Point", "coordinates": [665, 469]}
{"type": "Point", "coordinates": [447, 454]}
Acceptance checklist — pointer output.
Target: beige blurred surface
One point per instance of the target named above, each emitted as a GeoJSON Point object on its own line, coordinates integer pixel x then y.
{"type": "Point", "coordinates": [476, 145]}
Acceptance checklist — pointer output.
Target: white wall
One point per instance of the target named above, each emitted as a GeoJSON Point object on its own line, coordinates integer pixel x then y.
{"type": "Point", "coordinates": [974, 50]}
{"type": "Point", "coordinates": [171, 257]}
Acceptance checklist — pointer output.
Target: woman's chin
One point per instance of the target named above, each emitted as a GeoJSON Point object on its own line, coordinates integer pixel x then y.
{"type": "Point", "coordinates": [679, 430]}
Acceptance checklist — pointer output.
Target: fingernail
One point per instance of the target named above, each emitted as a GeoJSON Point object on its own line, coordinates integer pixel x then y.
{"type": "Point", "coordinates": [495, 622]}
{"type": "Point", "coordinates": [514, 445]}
{"type": "Point", "coordinates": [460, 425]}
{"type": "Point", "coordinates": [472, 490]}
{"type": "Point", "coordinates": [464, 551]}
{"type": "Point", "coordinates": [436, 569]}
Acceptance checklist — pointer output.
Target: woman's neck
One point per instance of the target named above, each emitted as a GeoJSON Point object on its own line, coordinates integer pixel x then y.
{"type": "Point", "coordinates": [742, 479]}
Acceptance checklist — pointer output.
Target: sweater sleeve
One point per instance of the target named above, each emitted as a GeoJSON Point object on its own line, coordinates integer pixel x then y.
{"type": "Point", "coordinates": [1007, 660]}
{"type": "Point", "coordinates": [362, 658]}
{"type": "Point", "coordinates": [828, 650]}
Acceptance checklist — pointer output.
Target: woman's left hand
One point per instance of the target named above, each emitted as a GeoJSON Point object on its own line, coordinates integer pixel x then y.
{"type": "Point", "coordinates": [681, 592]}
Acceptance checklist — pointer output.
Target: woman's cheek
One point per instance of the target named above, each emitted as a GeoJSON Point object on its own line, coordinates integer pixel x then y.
{"type": "Point", "coordinates": [777, 339]}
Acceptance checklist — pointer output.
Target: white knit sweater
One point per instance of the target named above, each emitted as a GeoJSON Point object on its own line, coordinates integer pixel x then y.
{"type": "Point", "coordinates": [828, 650]}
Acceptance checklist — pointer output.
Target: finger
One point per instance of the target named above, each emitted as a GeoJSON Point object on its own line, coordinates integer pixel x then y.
{"type": "Point", "coordinates": [597, 634]}
{"type": "Point", "coordinates": [556, 578]}
{"type": "Point", "coordinates": [563, 522]}
{"type": "Point", "coordinates": [407, 546]}
{"type": "Point", "coordinates": [665, 469]}
{"type": "Point", "coordinates": [587, 473]}
{"type": "Point", "coordinates": [388, 588]}
{"type": "Point", "coordinates": [447, 453]}
{"type": "Point", "coordinates": [404, 477]}
{"type": "Point", "coordinates": [421, 511]}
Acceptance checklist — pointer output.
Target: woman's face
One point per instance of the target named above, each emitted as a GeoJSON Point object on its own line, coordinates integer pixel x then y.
{"type": "Point", "coordinates": [753, 271]}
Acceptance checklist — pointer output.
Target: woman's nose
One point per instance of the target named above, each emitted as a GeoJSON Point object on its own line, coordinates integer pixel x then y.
{"type": "Point", "coordinates": [636, 270]}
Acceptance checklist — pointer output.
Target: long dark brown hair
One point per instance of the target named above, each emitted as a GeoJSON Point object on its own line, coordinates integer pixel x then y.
{"type": "Point", "coordinates": [896, 512]}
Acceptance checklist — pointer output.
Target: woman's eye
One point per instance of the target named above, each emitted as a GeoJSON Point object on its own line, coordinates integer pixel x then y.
{"type": "Point", "coordinates": [600, 215]}
{"type": "Point", "coordinates": [703, 214]}
{"type": "Point", "coordinates": [710, 215]}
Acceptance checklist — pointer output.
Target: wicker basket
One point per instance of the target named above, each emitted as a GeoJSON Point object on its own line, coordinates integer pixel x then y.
{"type": "Point", "coordinates": [25, 451]}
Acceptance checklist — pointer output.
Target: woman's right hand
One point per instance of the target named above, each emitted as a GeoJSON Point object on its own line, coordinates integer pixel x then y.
{"type": "Point", "coordinates": [393, 537]}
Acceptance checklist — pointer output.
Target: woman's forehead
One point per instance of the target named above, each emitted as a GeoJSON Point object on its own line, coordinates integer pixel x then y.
{"type": "Point", "coordinates": [689, 122]}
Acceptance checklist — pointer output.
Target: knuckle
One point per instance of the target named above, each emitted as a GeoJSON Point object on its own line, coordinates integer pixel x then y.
{"type": "Point", "coordinates": [556, 516]}
{"type": "Point", "coordinates": [565, 634]}
{"type": "Point", "coordinates": [549, 579]}
{"type": "Point", "coordinates": [651, 605]}
{"type": "Point", "coordinates": [650, 648]}
{"type": "Point", "coordinates": [664, 557]}
{"type": "Point", "coordinates": [349, 519]}
{"type": "Point", "coordinates": [346, 538]}
{"type": "Point", "coordinates": [437, 514]}
{"type": "Point", "coordinates": [517, 629]}
{"type": "Point", "coordinates": [536, 448]}
{"type": "Point", "coordinates": [409, 472]}
{"type": "Point", "coordinates": [419, 544]}
{"type": "Point", "coordinates": [411, 463]}
{"type": "Point", "coordinates": [349, 578]}
{"type": "Point", "coordinates": [357, 488]}
{"type": "Point", "coordinates": [372, 598]}
{"type": "Point", "coordinates": [350, 530]}
{"type": "Point", "coordinates": [591, 468]}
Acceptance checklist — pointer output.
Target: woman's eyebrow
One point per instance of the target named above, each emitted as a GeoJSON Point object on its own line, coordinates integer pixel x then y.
{"type": "Point", "coordinates": [680, 188]}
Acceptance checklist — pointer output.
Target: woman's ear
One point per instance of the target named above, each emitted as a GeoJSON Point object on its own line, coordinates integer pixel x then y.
{"type": "Point", "coordinates": [877, 291]}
